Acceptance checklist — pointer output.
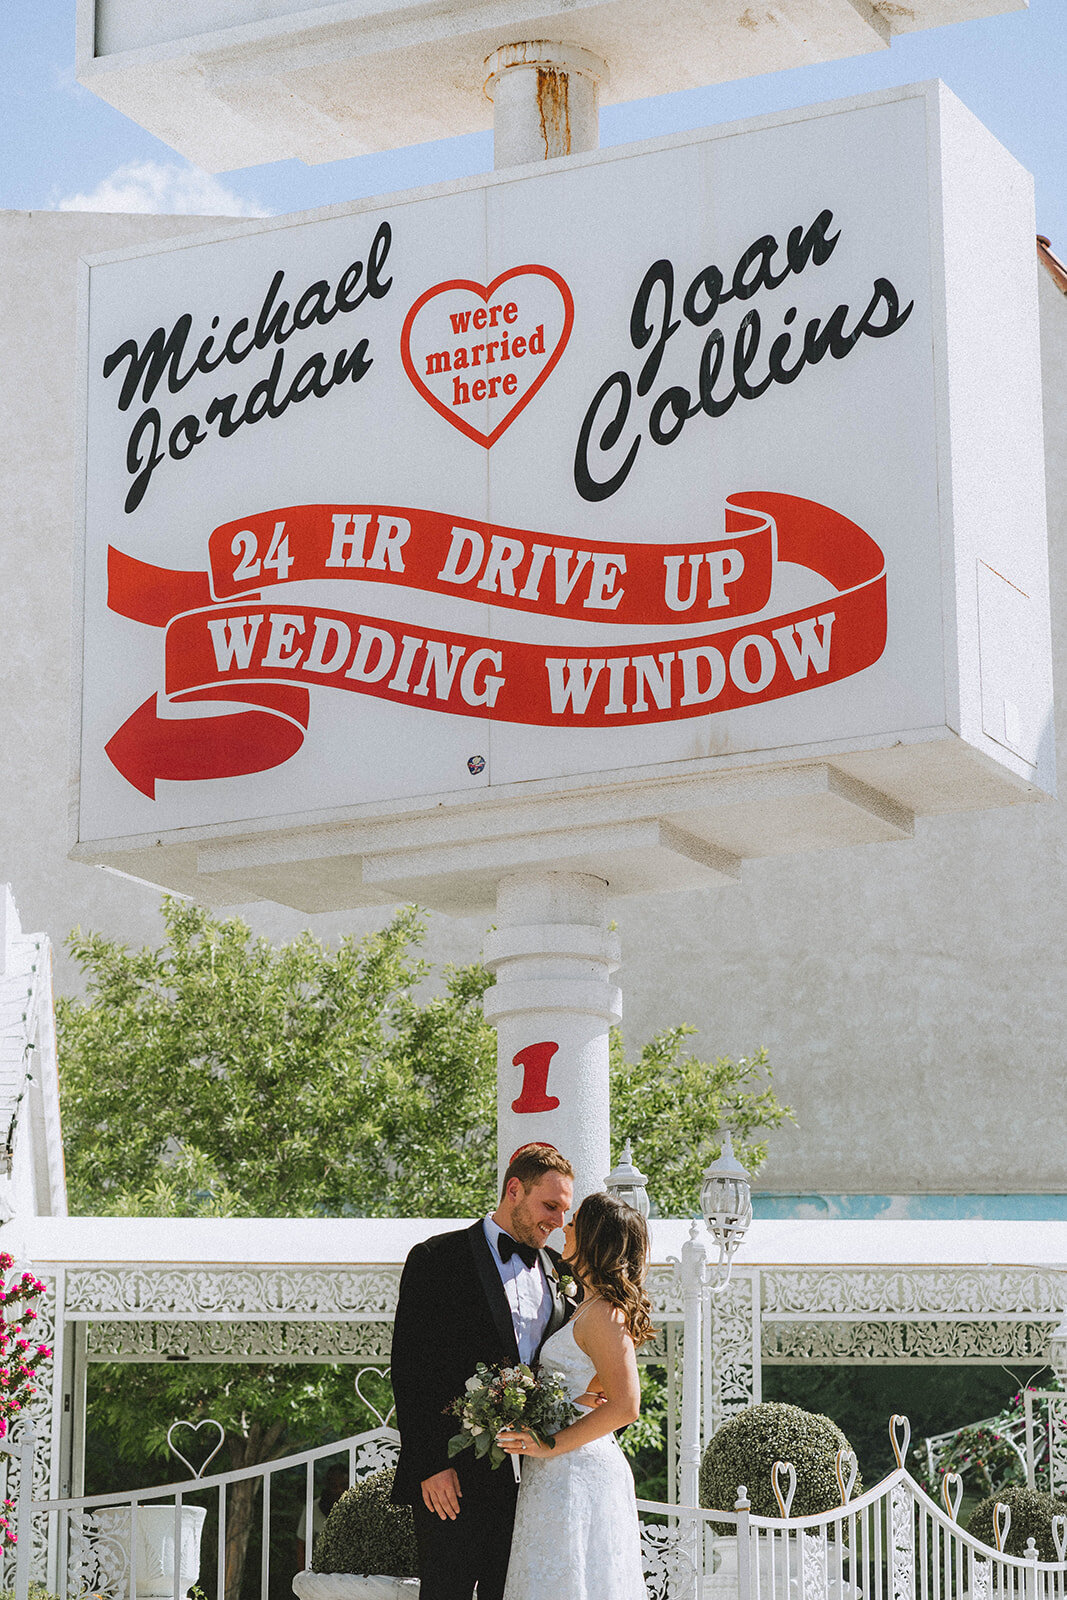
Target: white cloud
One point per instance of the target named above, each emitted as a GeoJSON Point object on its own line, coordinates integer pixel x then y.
{"type": "Point", "coordinates": [165, 189]}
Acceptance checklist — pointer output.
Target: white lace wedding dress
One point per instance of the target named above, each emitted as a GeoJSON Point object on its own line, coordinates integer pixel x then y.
{"type": "Point", "coordinates": [576, 1534]}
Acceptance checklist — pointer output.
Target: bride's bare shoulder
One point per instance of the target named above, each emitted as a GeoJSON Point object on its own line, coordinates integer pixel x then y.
{"type": "Point", "coordinates": [597, 1319]}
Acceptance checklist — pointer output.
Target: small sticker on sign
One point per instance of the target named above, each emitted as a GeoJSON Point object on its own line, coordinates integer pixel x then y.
{"type": "Point", "coordinates": [475, 765]}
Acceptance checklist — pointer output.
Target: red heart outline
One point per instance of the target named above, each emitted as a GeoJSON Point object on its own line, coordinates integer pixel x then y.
{"type": "Point", "coordinates": [446, 411]}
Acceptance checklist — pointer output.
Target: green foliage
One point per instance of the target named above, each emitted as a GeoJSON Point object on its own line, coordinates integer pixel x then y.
{"type": "Point", "coordinates": [221, 1075]}
{"type": "Point", "coordinates": [983, 1455]}
{"type": "Point", "coordinates": [264, 1410]}
{"type": "Point", "coordinates": [989, 1456]}
{"type": "Point", "coordinates": [366, 1533]}
{"type": "Point", "coordinates": [674, 1107]}
{"type": "Point", "coordinates": [745, 1449]}
{"type": "Point", "coordinates": [1031, 1518]}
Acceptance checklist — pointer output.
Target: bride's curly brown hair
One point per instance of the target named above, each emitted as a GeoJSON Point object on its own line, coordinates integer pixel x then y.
{"type": "Point", "coordinates": [611, 1252]}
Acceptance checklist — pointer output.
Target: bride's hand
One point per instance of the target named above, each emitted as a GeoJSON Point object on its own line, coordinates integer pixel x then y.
{"type": "Point", "coordinates": [517, 1442]}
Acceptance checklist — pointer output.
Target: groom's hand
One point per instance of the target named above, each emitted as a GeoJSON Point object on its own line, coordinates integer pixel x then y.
{"type": "Point", "coordinates": [441, 1494]}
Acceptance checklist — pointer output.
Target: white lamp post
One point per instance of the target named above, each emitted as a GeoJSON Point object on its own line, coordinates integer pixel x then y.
{"type": "Point", "coordinates": [626, 1183]}
{"type": "Point", "coordinates": [726, 1202]}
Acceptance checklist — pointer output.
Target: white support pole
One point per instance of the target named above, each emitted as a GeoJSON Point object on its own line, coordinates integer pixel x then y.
{"type": "Point", "coordinates": [27, 1446]}
{"type": "Point", "coordinates": [553, 1006]}
{"type": "Point", "coordinates": [546, 100]}
{"type": "Point", "coordinates": [693, 1272]}
{"type": "Point", "coordinates": [693, 1269]}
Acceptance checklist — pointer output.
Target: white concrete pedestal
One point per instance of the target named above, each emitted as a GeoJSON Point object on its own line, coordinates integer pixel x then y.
{"type": "Point", "coordinates": [552, 1006]}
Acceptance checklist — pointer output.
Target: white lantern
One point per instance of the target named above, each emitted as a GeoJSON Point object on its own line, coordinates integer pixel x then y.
{"type": "Point", "coordinates": [626, 1183]}
{"type": "Point", "coordinates": [726, 1199]}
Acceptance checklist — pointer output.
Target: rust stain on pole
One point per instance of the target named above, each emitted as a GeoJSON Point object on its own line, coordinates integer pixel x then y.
{"type": "Point", "coordinates": [554, 110]}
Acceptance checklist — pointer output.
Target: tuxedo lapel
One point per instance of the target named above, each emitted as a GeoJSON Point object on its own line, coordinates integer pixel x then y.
{"type": "Point", "coordinates": [560, 1307]}
{"type": "Point", "coordinates": [490, 1281]}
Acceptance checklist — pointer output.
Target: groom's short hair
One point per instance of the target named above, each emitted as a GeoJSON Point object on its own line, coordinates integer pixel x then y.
{"type": "Point", "coordinates": [530, 1163]}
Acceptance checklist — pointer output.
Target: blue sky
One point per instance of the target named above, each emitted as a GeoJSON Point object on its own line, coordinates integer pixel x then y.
{"type": "Point", "coordinates": [64, 148]}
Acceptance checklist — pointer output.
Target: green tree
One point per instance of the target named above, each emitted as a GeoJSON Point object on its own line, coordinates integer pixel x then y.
{"type": "Point", "coordinates": [673, 1106]}
{"type": "Point", "coordinates": [221, 1075]}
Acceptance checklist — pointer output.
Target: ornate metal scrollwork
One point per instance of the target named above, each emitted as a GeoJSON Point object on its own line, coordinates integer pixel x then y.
{"type": "Point", "coordinates": [667, 1555]}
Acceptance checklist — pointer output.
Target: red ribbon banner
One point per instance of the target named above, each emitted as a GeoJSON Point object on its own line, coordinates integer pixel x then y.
{"type": "Point", "coordinates": [228, 638]}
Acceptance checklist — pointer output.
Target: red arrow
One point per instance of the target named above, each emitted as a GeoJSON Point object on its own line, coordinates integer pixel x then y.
{"type": "Point", "coordinates": [148, 747]}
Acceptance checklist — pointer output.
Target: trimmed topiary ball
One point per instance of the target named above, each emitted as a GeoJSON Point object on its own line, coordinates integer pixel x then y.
{"type": "Point", "coordinates": [745, 1449]}
{"type": "Point", "coordinates": [366, 1533]}
{"type": "Point", "coordinates": [1031, 1518]}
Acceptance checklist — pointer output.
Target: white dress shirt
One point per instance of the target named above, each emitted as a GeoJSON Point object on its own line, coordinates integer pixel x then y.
{"type": "Point", "coordinates": [528, 1294]}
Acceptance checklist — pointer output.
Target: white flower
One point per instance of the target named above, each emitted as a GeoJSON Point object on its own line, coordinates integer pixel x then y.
{"type": "Point", "coordinates": [476, 1430]}
{"type": "Point", "coordinates": [471, 1385]}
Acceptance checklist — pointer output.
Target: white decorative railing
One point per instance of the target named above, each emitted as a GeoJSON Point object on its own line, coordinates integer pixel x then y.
{"type": "Point", "coordinates": [892, 1543]}
{"type": "Point", "coordinates": [134, 1546]}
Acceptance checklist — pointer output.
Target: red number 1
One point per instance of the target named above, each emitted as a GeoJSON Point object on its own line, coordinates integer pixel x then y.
{"type": "Point", "coordinates": [535, 1060]}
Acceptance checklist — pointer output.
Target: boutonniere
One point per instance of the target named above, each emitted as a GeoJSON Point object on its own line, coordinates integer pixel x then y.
{"type": "Point", "coordinates": [568, 1287]}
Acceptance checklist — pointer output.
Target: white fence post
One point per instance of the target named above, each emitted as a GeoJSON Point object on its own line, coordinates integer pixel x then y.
{"type": "Point", "coordinates": [24, 1521]}
{"type": "Point", "coordinates": [742, 1505]}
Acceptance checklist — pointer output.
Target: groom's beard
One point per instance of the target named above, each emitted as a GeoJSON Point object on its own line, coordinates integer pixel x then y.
{"type": "Point", "coordinates": [524, 1227]}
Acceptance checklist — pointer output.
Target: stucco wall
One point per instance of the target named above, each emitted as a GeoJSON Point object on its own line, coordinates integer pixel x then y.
{"type": "Point", "coordinates": [911, 994]}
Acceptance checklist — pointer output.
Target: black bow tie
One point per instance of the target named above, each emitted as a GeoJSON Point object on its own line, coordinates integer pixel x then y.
{"type": "Point", "coordinates": [509, 1247]}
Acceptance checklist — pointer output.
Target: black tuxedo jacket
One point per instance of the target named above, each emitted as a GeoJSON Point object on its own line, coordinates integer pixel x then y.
{"type": "Point", "coordinates": [452, 1312]}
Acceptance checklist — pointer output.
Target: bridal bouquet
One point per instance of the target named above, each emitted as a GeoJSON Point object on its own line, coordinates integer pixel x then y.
{"type": "Point", "coordinates": [509, 1397]}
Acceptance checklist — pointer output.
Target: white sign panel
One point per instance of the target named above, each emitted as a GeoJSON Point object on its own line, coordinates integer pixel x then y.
{"type": "Point", "coordinates": [633, 463]}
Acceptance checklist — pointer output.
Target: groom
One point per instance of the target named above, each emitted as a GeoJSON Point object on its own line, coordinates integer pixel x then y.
{"type": "Point", "coordinates": [492, 1293]}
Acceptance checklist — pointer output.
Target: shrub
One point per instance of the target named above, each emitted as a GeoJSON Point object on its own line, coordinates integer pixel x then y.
{"type": "Point", "coordinates": [366, 1533]}
{"type": "Point", "coordinates": [1031, 1518]}
{"type": "Point", "coordinates": [745, 1449]}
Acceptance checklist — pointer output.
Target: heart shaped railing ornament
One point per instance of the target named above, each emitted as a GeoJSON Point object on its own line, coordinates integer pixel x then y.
{"type": "Point", "coordinates": [785, 1501]}
{"type": "Point", "coordinates": [847, 1468]}
{"type": "Point", "coordinates": [952, 1493]}
{"type": "Point", "coordinates": [1059, 1536]}
{"type": "Point", "coordinates": [1001, 1523]}
{"type": "Point", "coordinates": [899, 1436]}
{"type": "Point", "coordinates": [194, 1427]}
{"type": "Point", "coordinates": [383, 1418]}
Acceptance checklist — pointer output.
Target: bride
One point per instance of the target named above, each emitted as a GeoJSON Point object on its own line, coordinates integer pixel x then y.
{"type": "Point", "coordinates": [576, 1534]}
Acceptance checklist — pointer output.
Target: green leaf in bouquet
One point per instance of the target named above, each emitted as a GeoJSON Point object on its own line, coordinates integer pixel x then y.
{"type": "Point", "coordinates": [482, 1444]}
{"type": "Point", "coordinates": [458, 1442]}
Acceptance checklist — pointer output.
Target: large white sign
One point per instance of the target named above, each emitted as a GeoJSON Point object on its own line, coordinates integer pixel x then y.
{"type": "Point", "coordinates": [631, 464]}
